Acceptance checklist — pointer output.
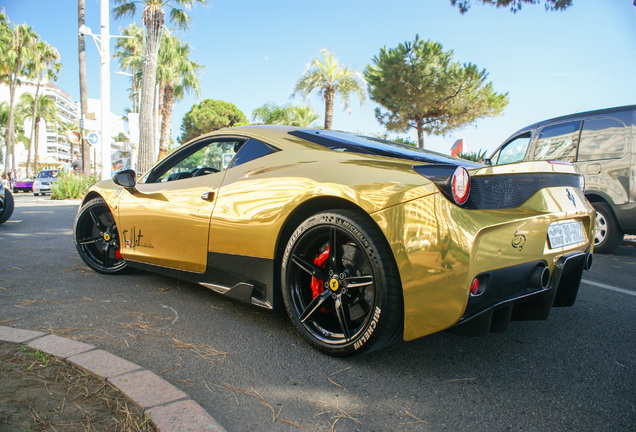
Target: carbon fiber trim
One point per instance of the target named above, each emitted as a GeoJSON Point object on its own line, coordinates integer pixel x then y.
{"type": "Point", "coordinates": [509, 191]}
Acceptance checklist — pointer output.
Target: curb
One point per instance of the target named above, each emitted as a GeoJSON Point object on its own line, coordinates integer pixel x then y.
{"type": "Point", "coordinates": [169, 409]}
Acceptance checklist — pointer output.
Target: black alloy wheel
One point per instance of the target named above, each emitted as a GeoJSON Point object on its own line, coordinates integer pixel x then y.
{"type": "Point", "coordinates": [340, 284]}
{"type": "Point", "coordinates": [96, 238]}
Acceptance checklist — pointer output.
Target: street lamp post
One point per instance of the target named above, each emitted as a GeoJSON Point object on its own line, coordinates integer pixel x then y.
{"type": "Point", "coordinates": [102, 43]}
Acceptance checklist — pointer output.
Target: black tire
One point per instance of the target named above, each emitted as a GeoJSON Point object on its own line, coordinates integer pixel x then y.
{"type": "Point", "coordinates": [6, 208]}
{"type": "Point", "coordinates": [608, 235]}
{"type": "Point", "coordinates": [355, 304]}
{"type": "Point", "coordinates": [96, 238]}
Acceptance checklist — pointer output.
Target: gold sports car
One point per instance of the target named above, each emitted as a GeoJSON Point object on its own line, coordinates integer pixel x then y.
{"type": "Point", "coordinates": [362, 241]}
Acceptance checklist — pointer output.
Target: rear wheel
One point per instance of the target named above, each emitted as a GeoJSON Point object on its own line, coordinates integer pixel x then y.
{"type": "Point", "coordinates": [608, 235]}
{"type": "Point", "coordinates": [6, 206]}
{"type": "Point", "coordinates": [340, 284]}
{"type": "Point", "coordinates": [96, 238]}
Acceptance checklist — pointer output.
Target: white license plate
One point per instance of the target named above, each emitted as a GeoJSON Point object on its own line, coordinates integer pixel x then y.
{"type": "Point", "coordinates": [565, 233]}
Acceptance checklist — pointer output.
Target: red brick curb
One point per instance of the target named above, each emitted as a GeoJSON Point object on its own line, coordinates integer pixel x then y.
{"type": "Point", "coordinates": [170, 409]}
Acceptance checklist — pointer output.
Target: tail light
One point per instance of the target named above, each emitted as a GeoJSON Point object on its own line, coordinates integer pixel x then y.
{"type": "Point", "coordinates": [460, 185]}
{"type": "Point", "coordinates": [452, 180]}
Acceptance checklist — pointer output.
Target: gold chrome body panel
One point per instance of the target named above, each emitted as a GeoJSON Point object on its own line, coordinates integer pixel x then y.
{"type": "Point", "coordinates": [438, 247]}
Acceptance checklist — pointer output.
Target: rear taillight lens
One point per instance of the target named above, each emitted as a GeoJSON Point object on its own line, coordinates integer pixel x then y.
{"type": "Point", "coordinates": [460, 185]}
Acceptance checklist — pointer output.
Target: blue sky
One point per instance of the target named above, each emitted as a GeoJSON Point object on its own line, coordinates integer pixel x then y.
{"type": "Point", "coordinates": [550, 63]}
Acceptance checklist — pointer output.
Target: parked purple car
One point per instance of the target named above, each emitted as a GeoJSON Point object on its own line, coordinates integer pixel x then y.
{"type": "Point", "coordinates": [23, 184]}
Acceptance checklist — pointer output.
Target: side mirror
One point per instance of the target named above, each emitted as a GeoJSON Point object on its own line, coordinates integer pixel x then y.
{"type": "Point", "coordinates": [125, 178]}
{"type": "Point", "coordinates": [487, 162]}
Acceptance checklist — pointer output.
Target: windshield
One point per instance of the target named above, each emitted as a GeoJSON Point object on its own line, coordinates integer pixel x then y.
{"type": "Point", "coordinates": [47, 174]}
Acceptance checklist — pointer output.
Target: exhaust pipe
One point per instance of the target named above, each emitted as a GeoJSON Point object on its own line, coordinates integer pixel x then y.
{"type": "Point", "coordinates": [588, 261]}
{"type": "Point", "coordinates": [540, 277]}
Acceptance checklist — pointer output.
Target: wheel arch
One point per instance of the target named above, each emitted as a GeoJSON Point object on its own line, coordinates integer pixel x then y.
{"type": "Point", "coordinates": [297, 217]}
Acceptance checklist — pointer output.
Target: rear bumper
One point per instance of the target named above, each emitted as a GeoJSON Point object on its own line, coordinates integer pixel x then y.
{"type": "Point", "coordinates": [510, 295]}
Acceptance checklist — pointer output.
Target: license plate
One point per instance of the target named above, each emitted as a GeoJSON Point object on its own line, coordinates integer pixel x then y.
{"type": "Point", "coordinates": [565, 233]}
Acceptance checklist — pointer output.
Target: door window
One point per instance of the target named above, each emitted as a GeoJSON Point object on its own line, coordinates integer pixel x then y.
{"type": "Point", "coordinates": [198, 159]}
{"type": "Point", "coordinates": [602, 138]}
{"type": "Point", "coordinates": [514, 151]}
{"type": "Point", "coordinates": [558, 142]}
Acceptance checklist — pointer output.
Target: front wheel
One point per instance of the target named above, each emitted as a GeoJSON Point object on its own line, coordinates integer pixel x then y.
{"type": "Point", "coordinates": [96, 238]}
{"type": "Point", "coordinates": [341, 285]}
{"type": "Point", "coordinates": [608, 235]}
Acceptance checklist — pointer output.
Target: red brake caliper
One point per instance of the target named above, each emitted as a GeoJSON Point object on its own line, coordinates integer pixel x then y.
{"type": "Point", "coordinates": [317, 285]}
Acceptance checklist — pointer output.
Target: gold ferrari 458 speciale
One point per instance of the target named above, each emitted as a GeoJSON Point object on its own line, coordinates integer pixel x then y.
{"type": "Point", "coordinates": [363, 241]}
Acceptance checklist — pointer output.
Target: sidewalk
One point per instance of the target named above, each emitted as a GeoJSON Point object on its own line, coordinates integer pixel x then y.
{"type": "Point", "coordinates": [170, 409]}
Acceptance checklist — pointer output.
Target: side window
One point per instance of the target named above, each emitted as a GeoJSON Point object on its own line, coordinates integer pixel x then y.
{"type": "Point", "coordinates": [252, 149]}
{"type": "Point", "coordinates": [602, 138]}
{"type": "Point", "coordinates": [198, 159]}
{"type": "Point", "coordinates": [513, 151]}
{"type": "Point", "coordinates": [558, 142]}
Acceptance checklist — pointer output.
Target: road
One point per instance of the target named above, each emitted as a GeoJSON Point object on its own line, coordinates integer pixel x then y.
{"type": "Point", "coordinates": [251, 370]}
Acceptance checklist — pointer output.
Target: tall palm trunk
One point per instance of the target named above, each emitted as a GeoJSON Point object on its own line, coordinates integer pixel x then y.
{"type": "Point", "coordinates": [86, 148]}
{"type": "Point", "coordinates": [330, 95]}
{"type": "Point", "coordinates": [153, 18]}
{"type": "Point", "coordinates": [33, 124]}
{"type": "Point", "coordinates": [36, 158]}
{"type": "Point", "coordinates": [165, 120]}
{"type": "Point", "coordinates": [13, 83]}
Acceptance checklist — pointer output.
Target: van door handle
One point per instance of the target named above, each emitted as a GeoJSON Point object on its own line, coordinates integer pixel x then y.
{"type": "Point", "coordinates": [208, 196]}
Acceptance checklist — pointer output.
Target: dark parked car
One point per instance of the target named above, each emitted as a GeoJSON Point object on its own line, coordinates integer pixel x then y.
{"type": "Point", "coordinates": [602, 146]}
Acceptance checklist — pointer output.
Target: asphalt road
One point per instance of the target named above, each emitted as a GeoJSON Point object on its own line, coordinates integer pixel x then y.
{"type": "Point", "coordinates": [252, 372]}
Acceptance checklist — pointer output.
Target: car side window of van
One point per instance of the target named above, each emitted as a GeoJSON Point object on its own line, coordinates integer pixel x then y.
{"type": "Point", "coordinates": [558, 142]}
{"type": "Point", "coordinates": [602, 138]}
{"type": "Point", "coordinates": [514, 150]}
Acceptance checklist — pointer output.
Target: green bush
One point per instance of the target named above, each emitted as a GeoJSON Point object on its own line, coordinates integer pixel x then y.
{"type": "Point", "coordinates": [71, 186]}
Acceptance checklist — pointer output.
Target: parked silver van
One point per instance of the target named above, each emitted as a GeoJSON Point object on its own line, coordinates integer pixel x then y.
{"type": "Point", "coordinates": [602, 146]}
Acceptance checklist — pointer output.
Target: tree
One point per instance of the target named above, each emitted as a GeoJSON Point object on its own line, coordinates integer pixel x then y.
{"type": "Point", "coordinates": [330, 80]}
{"type": "Point", "coordinates": [81, 49]}
{"type": "Point", "coordinates": [422, 88]}
{"type": "Point", "coordinates": [515, 5]}
{"type": "Point", "coordinates": [43, 108]}
{"type": "Point", "coordinates": [271, 113]}
{"type": "Point", "coordinates": [153, 18]}
{"type": "Point", "coordinates": [288, 115]}
{"type": "Point", "coordinates": [44, 60]}
{"type": "Point", "coordinates": [208, 116]}
{"type": "Point", "coordinates": [4, 123]}
{"type": "Point", "coordinates": [178, 75]}
{"type": "Point", "coordinates": [129, 52]}
{"type": "Point", "coordinates": [14, 58]}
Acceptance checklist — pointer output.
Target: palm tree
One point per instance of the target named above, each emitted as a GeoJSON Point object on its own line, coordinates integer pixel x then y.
{"type": "Point", "coordinates": [42, 109]}
{"type": "Point", "coordinates": [153, 18]}
{"type": "Point", "coordinates": [81, 45]}
{"type": "Point", "coordinates": [4, 122]}
{"type": "Point", "coordinates": [14, 59]}
{"type": "Point", "coordinates": [177, 75]}
{"type": "Point", "coordinates": [44, 60]}
{"type": "Point", "coordinates": [330, 80]}
{"type": "Point", "coordinates": [130, 53]}
{"type": "Point", "coordinates": [271, 114]}
{"type": "Point", "coordinates": [302, 116]}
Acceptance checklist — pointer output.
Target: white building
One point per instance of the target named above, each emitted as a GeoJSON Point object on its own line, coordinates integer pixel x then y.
{"type": "Point", "coordinates": [53, 145]}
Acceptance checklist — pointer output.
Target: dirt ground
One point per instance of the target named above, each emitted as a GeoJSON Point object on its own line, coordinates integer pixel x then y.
{"type": "Point", "coordinates": [39, 392]}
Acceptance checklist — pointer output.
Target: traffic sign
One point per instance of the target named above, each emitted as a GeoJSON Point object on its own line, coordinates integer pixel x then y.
{"type": "Point", "coordinates": [93, 138]}
{"type": "Point", "coordinates": [73, 136]}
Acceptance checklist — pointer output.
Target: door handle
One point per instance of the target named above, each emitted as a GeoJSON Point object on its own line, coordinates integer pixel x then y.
{"type": "Point", "coordinates": [208, 196]}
